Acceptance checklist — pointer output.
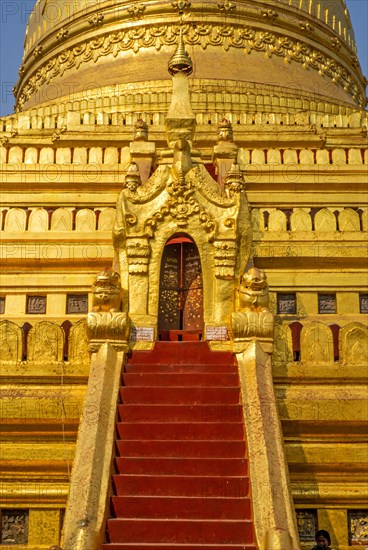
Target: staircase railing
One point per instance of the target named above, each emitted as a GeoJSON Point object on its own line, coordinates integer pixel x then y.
{"type": "Point", "coordinates": [85, 515]}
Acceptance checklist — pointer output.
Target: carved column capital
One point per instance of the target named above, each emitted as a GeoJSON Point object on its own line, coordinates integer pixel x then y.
{"type": "Point", "coordinates": [138, 252]}
{"type": "Point", "coordinates": [112, 327]}
{"type": "Point", "coordinates": [225, 256]}
{"type": "Point", "coordinates": [251, 325]}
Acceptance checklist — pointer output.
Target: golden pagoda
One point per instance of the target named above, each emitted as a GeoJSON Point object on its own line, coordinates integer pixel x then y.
{"type": "Point", "coordinates": [155, 143]}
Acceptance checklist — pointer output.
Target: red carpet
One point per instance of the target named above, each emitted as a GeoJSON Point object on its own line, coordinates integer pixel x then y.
{"type": "Point", "coordinates": [182, 476]}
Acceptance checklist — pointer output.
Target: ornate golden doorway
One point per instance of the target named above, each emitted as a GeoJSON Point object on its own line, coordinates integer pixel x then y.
{"type": "Point", "coordinates": [180, 314]}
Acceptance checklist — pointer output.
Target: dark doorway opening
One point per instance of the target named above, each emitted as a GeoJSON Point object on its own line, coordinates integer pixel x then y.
{"type": "Point", "coordinates": [180, 315]}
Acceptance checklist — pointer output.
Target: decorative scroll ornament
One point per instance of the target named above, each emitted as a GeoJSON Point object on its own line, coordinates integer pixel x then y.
{"type": "Point", "coordinates": [204, 34]}
{"type": "Point", "coordinates": [106, 322]}
{"type": "Point", "coordinates": [254, 319]}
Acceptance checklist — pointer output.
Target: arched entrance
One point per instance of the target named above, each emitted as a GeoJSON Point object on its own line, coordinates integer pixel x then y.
{"type": "Point", "coordinates": [180, 314]}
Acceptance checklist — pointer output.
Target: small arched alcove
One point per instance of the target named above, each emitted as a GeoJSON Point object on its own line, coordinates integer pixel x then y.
{"type": "Point", "coordinates": [180, 312]}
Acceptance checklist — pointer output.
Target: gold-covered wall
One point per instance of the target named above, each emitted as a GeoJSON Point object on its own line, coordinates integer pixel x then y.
{"type": "Point", "coordinates": [308, 201]}
{"type": "Point", "coordinates": [303, 153]}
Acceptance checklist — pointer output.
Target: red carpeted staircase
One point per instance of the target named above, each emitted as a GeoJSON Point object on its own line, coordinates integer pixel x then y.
{"type": "Point", "coordinates": [182, 476]}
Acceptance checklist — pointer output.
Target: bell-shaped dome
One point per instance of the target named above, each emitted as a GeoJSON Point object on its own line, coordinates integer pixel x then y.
{"type": "Point", "coordinates": [290, 48]}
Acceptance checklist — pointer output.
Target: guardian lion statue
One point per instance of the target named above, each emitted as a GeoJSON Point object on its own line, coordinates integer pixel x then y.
{"type": "Point", "coordinates": [106, 291]}
{"type": "Point", "coordinates": [253, 291]}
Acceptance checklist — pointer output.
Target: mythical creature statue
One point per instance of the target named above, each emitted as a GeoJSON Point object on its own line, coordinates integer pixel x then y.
{"type": "Point", "coordinates": [253, 291]}
{"type": "Point", "coordinates": [234, 182]}
{"type": "Point", "coordinates": [132, 179]}
{"type": "Point", "coordinates": [106, 291]}
{"type": "Point", "coordinates": [253, 318]}
{"type": "Point", "coordinates": [225, 131]}
{"type": "Point", "coordinates": [140, 130]}
{"type": "Point", "coordinates": [107, 322]}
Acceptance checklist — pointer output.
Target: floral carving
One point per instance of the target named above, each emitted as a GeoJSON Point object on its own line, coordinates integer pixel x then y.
{"type": "Point", "coordinates": [136, 10]}
{"type": "Point", "coordinates": [37, 51]}
{"type": "Point", "coordinates": [306, 27]}
{"type": "Point", "coordinates": [63, 33]}
{"type": "Point", "coordinates": [96, 19]}
{"type": "Point", "coordinates": [269, 14]}
{"type": "Point", "coordinates": [57, 134]}
{"type": "Point", "coordinates": [226, 6]}
{"type": "Point", "coordinates": [181, 205]}
{"type": "Point", "coordinates": [181, 6]}
{"type": "Point", "coordinates": [205, 34]}
{"type": "Point", "coordinates": [336, 43]}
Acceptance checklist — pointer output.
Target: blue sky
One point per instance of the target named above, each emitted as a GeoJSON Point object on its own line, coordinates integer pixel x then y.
{"type": "Point", "coordinates": [15, 13]}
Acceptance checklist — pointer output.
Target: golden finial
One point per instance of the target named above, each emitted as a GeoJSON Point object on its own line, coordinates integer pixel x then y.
{"type": "Point", "coordinates": [180, 61]}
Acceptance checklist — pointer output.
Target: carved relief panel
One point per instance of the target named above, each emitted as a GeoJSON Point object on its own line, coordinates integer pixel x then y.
{"type": "Point", "coordinates": [354, 344]}
{"type": "Point", "coordinates": [358, 527]}
{"type": "Point", "coordinates": [14, 527]}
{"type": "Point", "coordinates": [283, 345]}
{"type": "Point", "coordinates": [10, 341]}
{"type": "Point", "coordinates": [36, 304]}
{"type": "Point", "coordinates": [78, 343]}
{"type": "Point", "coordinates": [316, 344]}
{"type": "Point", "coordinates": [307, 524]}
{"type": "Point", "coordinates": [77, 303]}
{"type": "Point", "coordinates": [45, 342]}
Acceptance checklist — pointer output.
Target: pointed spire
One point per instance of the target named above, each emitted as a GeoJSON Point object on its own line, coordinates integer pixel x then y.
{"type": "Point", "coordinates": [181, 61]}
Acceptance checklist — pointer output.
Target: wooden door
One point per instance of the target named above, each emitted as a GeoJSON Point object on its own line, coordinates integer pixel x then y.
{"type": "Point", "coordinates": [181, 287]}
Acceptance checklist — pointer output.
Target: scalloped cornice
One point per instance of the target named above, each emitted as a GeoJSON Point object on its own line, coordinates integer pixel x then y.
{"type": "Point", "coordinates": [222, 35]}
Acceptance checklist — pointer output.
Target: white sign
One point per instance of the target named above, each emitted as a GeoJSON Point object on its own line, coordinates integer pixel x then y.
{"type": "Point", "coordinates": [216, 333]}
{"type": "Point", "coordinates": [143, 333]}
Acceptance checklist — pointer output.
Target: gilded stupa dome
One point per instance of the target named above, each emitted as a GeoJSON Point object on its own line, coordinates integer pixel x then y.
{"type": "Point", "coordinates": [291, 49]}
